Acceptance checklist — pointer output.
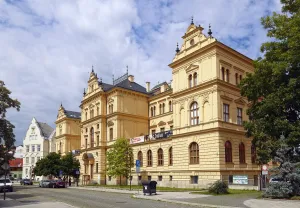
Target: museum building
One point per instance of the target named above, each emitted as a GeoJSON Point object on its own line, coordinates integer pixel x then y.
{"type": "Point", "coordinates": [187, 133]}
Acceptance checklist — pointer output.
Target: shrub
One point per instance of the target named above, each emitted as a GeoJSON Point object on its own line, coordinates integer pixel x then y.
{"type": "Point", "coordinates": [218, 187]}
{"type": "Point", "coordinates": [279, 190]}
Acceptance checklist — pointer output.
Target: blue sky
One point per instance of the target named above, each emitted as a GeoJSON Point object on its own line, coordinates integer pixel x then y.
{"type": "Point", "coordinates": [49, 46]}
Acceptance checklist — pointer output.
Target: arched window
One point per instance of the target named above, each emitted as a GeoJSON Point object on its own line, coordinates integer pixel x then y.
{"type": "Point", "coordinates": [194, 153]}
{"type": "Point", "coordinates": [242, 153]}
{"type": "Point", "coordinates": [97, 111]}
{"type": "Point", "coordinates": [195, 79]}
{"type": "Point", "coordinates": [60, 147]}
{"type": "Point", "coordinates": [227, 75]}
{"type": "Point", "coordinates": [160, 108]}
{"type": "Point", "coordinates": [253, 153]}
{"type": "Point", "coordinates": [112, 108]}
{"type": "Point", "coordinates": [171, 156]}
{"type": "Point", "coordinates": [140, 158]}
{"type": "Point", "coordinates": [228, 152]}
{"type": "Point", "coordinates": [154, 111]}
{"type": "Point", "coordinates": [170, 106]}
{"type": "Point", "coordinates": [223, 73]}
{"type": "Point", "coordinates": [194, 113]}
{"type": "Point", "coordinates": [149, 158]}
{"type": "Point", "coordinates": [160, 157]}
{"type": "Point", "coordinates": [236, 78]}
{"type": "Point", "coordinates": [92, 136]}
{"type": "Point", "coordinates": [86, 116]}
{"type": "Point", "coordinates": [163, 108]}
{"type": "Point", "coordinates": [190, 81]}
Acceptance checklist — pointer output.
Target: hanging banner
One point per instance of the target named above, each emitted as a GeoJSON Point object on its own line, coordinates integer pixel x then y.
{"type": "Point", "coordinates": [136, 140]}
{"type": "Point", "coordinates": [240, 179]}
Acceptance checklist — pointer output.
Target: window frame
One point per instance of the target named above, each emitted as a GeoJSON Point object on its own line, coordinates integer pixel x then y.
{"type": "Point", "coordinates": [223, 73]}
{"type": "Point", "coordinates": [149, 158]}
{"type": "Point", "coordinates": [227, 75]}
{"type": "Point", "coordinates": [111, 134]}
{"type": "Point", "coordinates": [195, 79]}
{"type": "Point", "coordinates": [194, 114]}
{"type": "Point", "coordinates": [228, 152]}
{"type": "Point", "coordinates": [225, 112]}
{"type": "Point", "coordinates": [160, 157]}
{"type": "Point", "coordinates": [242, 153]}
{"type": "Point", "coordinates": [171, 156]}
{"type": "Point", "coordinates": [194, 153]}
{"type": "Point", "coordinates": [170, 106]}
{"type": "Point", "coordinates": [140, 158]}
{"type": "Point", "coordinates": [190, 81]}
{"type": "Point", "coordinates": [253, 154]}
{"type": "Point", "coordinates": [239, 117]}
{"type": "Point", "coordinates": [92, 136]}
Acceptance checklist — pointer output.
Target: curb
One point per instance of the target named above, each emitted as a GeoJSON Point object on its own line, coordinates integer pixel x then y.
{"type": "Point", "coordinates": [185, 203]}
{"type": "Point", "coordinates": [106, 190]}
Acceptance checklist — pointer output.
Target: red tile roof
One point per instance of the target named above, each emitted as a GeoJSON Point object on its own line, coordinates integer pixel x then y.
{"type": "Point", "coordinates": [18, 162]}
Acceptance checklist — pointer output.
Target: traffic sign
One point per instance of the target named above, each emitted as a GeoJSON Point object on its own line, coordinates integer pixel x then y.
{"type": "Point", "coordinates": [137, 163]}
{"type": "Point", "coordinates": [265, 167]}
{"type": "Point", "coordinates": [5, 166]}
{"type": "Point", "coordinates": [264, 172]}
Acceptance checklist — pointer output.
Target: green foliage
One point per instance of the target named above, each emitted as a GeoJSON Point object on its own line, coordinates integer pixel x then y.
{"type": "Point", "coordinates": [7, 137]}
{"type": "Point", "coordinates": [218, 187]}
{"type": "Point", "coordinates": [274, 87]}
{"type": "Point", "coordinates": [279, 190]}
{"type": "Point", "coordinates": [68, 164]}
{"type": "Point", "coordinates": [120, 158]}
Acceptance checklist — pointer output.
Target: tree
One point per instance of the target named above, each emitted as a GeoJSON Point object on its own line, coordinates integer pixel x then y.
{"type": "Point", "coordinates": [120, 159]}
{"type": "Point", "coordinates": [274, 88]}
{"type": "Point", "coordinates": [7, 137]}
{"type": "Point", "coordinates": [68, 164]}
{"type": "Point", "coordinates": [50, 165]}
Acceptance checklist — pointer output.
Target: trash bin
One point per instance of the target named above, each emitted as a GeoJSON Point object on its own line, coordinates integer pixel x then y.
{"type": "Point", "coordinates": [149, 187]}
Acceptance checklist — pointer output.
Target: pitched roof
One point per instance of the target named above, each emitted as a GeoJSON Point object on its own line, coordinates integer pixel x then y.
{"type": "Point", "coordinates": [46, 130]}
{"type": "Point", "coordinates": [126, 84]}
{"type": "Point", "coordinates": [18, 162]}
{"type": "Point", "coordinates": [73, 114]}
{"type": "Point", "coordinates": [158, 86]}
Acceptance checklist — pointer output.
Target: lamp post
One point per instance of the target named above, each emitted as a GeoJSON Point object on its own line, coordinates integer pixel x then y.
{"type": "Point", "coordinates": [6, 167]}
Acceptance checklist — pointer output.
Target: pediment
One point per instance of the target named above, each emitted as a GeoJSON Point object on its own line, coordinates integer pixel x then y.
{"type": "Point", "coordinates": [161, 123]}
{"type": "Point", "coordinates": [225, 97]}
{"type": "Point", "coordinates": [240, 101]}
{"type": "Point", "coordinates": [110, 100]}
{"type": "Point", "coordinates": [191, 68]}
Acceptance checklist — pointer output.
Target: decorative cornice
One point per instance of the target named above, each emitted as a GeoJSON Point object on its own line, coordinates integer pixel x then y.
{"type": "Point", "coordinates": [161, 123]}
{"type": "Point", "coordinates": [165, 93]}
{"type": "Point", "coordinates": [170, 122]}
{"type": "Point", "coordinates": [226, 63]}
{"type": "Point", "coordinates": [225, 97]}
{"type": "Point", "coordinates": [161, 115]}
{"type": "Point", "coordinates": [93, 119]}
{"type": "Point", "coordinates": [238, 69]}
{"type": "Point", "coordinates": [153, 126]}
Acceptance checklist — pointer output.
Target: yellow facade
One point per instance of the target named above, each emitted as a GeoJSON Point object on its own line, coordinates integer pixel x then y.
{"type": "Point", "coordinates": [201, 109]}
{"type": "Point", "coordinates": [67, 131]}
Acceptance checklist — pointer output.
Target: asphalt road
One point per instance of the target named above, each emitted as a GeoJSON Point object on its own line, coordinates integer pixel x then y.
{"type": "Point", "coordinates": [82, 198]}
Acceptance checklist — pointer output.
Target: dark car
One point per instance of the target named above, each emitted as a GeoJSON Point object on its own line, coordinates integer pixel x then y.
{"type": "Point", "coordinates": [8, 185]}
{"type": "Point", "coordinates": [57, 184]}
{"type": "Point", "coordinates": [26, 182]}
{"type": "Point", "coordinates": [45, 184]}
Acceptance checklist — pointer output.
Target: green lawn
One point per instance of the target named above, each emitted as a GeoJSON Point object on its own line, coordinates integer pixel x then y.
{"type": "Point", "coordinates": [135, 187]}
{"type": "Point", "coordinates": [231, 192]}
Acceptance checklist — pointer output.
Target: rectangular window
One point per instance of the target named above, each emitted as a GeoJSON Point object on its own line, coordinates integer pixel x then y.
{"type": "Point", "coordinates": [226, 112]}
{"type": "Point", "coordinates": [98, 142]}
{"type": "Point", "coordinates": [33, 148]}
{"type": "Point", "coordinates": [109, 178]}
{"type": "Point", "coordinates": [140, 178]}
{"type": "Point", "coordinates": [149, 178]}
{"type": "Point", "coordinates": [85, 143]}
{"type": "Point", "coordinates": [96, 167]}
{"type": "Point", "coordinates": [26, 171]}
{"type": "Point", "coordinates": [27, 160]}
{"type": "Point", "coordinates": [170, 178]}
{"type": "Point", "coordinates": [97, 126]}
{"type": "Point", "coordinates": [153, 131]}
{"type": "Point", "coordinates": [27, 148]}
{"type": "Point", "coordinates": [32, 159]}
{"type": "Point", "coordinates": [162, 129]}
{"type": "Point", "coordinates": [111, 134]}
{"type": "Point", "coordinates": [239, 116]}
{"type": "Point", "coordinates": [171, 128]}
{"type": "Point", "coordinates": [38, 148]}
{"type": "Point", "coordinates": [230, 179]}
{"type": "Point", "coordinates": [159, 178]}
{"type": "Point", "coordinates": [194, 179]}
{"type": "Point", "coordinates": [255, 182]}
{"type": "Point", "coordinates": [130, 178]}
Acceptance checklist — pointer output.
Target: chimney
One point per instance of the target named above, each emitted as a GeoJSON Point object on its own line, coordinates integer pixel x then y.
{"type": "Point", "coordinates": [148, 86]}
{"type": "Point", "coordinates": [131, 78]}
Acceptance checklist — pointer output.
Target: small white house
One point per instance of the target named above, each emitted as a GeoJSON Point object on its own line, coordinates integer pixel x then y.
{"type": "Point", "coordinates": [36, 146]}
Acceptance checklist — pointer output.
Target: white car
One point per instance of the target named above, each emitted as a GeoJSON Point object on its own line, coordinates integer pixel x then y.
{"type": "Point", "coordinates": [8, 185]}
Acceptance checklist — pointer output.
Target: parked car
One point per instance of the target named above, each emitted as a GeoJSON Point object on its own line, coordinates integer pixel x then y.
{"type": "Point", "coordinates": [8, 186]}
{"type": "Point", "coordinates": [44, 183]}
{"type": "Point", "coordinates": [57, 184]}
{"type": "Point", "coordinates": [26, 182]}
{"type": "Point", "coordinates": [275, 180]}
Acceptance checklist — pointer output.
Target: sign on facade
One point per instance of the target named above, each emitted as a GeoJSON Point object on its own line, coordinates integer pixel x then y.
{"type": "Point", "coordinates": [240, 179]}
{"type": "Point", "coordinates": [264, 172]}
{"type": "Point", "coordinates": [136, 140]}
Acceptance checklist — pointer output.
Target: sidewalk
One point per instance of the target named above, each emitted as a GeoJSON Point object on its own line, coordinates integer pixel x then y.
{"type": "Point", "coordinates": [198, 200]}
{"type": "Point", "coordinates": [9, 203]}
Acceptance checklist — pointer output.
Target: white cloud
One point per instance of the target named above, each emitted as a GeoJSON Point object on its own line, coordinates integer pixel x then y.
{"type": "Point", "coordinates": [49, 46]}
